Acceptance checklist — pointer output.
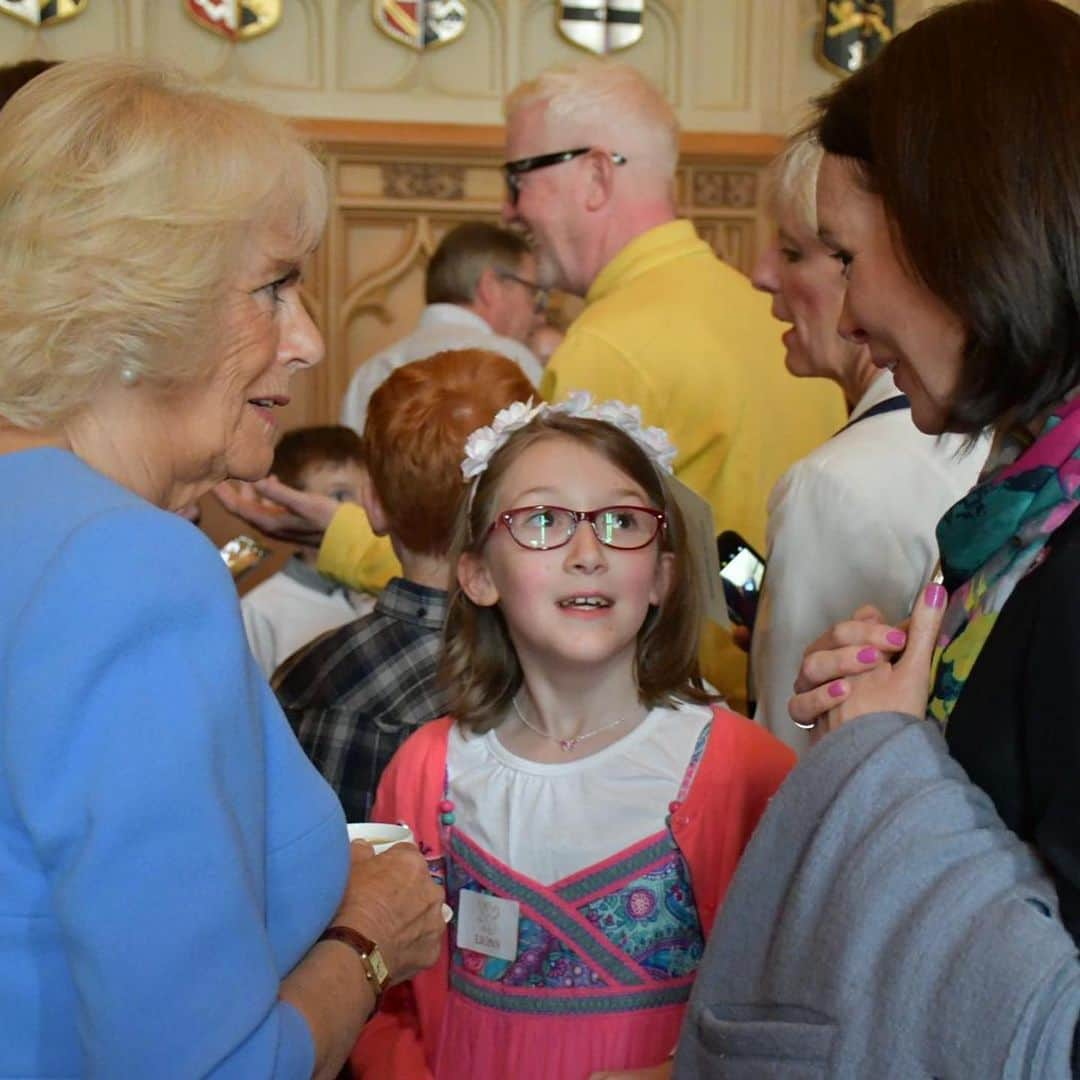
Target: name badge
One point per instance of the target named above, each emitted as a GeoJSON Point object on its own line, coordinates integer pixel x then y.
{"type": "Point", "coordinates": [488, 924]}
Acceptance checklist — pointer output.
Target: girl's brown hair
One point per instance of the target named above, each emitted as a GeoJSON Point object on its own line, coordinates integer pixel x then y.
{"type": "Point", "coordinates": [480, 668]}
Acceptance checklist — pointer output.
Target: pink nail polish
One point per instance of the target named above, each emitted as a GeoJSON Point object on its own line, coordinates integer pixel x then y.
{"type": "Point", "coordinates": [837, 689]}
{"type": "Point", "coordinates": [896, 637]}
{"type": "Point", "coordinates": [869, 655]}
{"type": "Point", "coordinates": [934, 595]}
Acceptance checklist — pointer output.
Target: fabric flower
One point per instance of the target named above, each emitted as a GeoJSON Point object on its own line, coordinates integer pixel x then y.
{"type": "Point", "coordinates": [575, 404]}
{"type": "Point", "coordinates": [625, 417]}
{"type": "Point", "coordinates": [514, 416]}
{"type": "Point", "coordinates": [479, 447]}
{"type": "Point", "coordinates": [659, 447]}
{"type": "Point", "coordinates": [483, 443]}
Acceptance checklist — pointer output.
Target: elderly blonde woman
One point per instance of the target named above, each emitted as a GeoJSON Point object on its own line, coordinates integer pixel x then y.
{"type": "Point", "coordinates": [170, 860]}
{"type": "Point", "coordinates": [853, 522]}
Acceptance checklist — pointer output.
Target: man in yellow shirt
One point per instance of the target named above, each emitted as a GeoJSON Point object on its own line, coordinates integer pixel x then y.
{"type": "Point", "coordinates": [591, 155]}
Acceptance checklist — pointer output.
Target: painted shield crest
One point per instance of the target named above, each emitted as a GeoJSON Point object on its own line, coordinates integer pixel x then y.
{"type": "Point", "coordinates": [43, 12]}
{"type": "Point", "coordinates": [601, 26]}
{"type": "Point", "coordinates": [421, 24]}
{"type": "Point", "coordinates": [236, 20]}
{"type": "Point", "coordinates": [853, 32]}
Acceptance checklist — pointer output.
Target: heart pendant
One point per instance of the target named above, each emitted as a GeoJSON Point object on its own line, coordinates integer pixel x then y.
{"type": "Point", "coordinates": [568, 744]}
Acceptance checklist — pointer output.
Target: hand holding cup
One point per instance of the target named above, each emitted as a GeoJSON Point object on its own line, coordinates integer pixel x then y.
{"type": "Point", "coordinates": [391, 899]}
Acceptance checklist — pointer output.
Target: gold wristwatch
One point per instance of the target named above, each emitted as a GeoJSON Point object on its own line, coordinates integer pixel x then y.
{"type": "Point", "coordinates": [378, 974]}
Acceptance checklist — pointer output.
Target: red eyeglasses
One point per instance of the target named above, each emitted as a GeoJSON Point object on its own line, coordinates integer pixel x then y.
{"type": "Point", "coordinates": [541, 528]}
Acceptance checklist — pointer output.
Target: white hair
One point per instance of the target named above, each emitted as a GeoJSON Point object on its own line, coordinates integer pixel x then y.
{"type": "Point", "coordinates": [127, 195]}
{"type": "Point", "coordinates": [792, 179]}
{"type": "Point", "coordinates": [609, 103]}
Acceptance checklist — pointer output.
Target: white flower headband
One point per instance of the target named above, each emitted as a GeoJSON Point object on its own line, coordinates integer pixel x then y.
{"type": "Point", "coordinates": [483, 443]}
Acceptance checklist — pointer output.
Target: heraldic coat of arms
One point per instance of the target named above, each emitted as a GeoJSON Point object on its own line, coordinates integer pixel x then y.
{"type": "Point", "coordinates": [421, 24]}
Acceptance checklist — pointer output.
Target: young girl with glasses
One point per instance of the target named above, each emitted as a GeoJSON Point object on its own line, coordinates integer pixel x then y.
{"type": "Point", "coordinates": [585, 801]}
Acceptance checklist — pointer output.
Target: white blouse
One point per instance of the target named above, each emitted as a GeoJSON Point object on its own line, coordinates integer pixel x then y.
{"type": "Point", "coordinates": [550, 821]}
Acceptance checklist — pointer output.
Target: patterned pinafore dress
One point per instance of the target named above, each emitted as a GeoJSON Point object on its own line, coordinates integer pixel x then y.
{"type": "Point", "coordinates": [605, 961]}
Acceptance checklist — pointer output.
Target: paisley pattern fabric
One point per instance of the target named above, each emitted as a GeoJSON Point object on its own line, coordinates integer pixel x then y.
{"type": "Point", "coordinates": [634, 939]}
{"type": "Point", "coordinates": [995, 536]}
{"type": "Point", "coordinates": [653, 919]}
{"type": "Point", "coordinates": [620, 935]}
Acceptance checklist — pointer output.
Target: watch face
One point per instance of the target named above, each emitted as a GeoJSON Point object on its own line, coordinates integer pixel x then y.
{"type": "Point", "coordinates": [378, 967]}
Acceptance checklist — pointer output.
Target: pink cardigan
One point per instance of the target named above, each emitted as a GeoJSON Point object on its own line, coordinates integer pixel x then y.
{"type": "Point", "coordinates": [741, 768]}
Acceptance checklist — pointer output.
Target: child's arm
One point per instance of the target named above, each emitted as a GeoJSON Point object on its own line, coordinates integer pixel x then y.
{"type": "Point", "coordinates": [353, 554]}
{"type": "Point", "coordinates": [391, 1044]}
{"type": "Point", "coordinates": [350, 552]}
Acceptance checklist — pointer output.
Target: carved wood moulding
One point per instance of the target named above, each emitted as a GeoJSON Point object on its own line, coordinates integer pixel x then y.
{"type": "Point", "coordinates": [486, 140]}
{"type": "Point", "coordinates": [418, 180]}
{"type": "Point", "coordinates": [725, 189]}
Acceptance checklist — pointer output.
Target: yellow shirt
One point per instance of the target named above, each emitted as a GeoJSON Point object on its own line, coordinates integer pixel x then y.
{"type": "Point", "coordinates": [352, 553]}
{"type": "Point", "coordinates": [671, 328]}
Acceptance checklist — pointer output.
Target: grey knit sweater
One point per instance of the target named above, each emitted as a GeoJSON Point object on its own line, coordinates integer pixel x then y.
{"type": "Point", "coordinates": [884, 923]}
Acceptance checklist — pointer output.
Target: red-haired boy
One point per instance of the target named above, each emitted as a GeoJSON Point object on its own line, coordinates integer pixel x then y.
{"type": "Point", "coordinates": [355, 695]}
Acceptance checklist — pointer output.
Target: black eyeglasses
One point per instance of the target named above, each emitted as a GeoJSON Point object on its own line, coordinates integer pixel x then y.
{"type": "Point", "coordinates": [541, 528]}
{"type": "Point", "coordinates": [539, 292]}
{"type": "Point", "coordinates": [513, 169]}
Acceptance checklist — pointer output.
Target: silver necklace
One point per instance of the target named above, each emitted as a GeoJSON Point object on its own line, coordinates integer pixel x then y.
{"type": "Point", "coordinates": [564, 744]}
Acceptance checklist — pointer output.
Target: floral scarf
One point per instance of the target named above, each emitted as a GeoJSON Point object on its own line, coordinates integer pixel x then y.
{"type": "Point", "coordinates": [996, 535]}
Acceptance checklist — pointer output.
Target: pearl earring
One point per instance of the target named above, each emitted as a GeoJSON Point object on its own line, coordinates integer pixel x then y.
{"type": "Point", "coordinates": [129, 376]}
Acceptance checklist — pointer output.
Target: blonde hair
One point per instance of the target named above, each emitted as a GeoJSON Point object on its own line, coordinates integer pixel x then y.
{"type": "Point", "coordinates": [791, 179]}
{"type": "Point", "coordinates": [128, 195]}
{"type": "Point", "coordinates": [588, 99]}
{"type": "Point", "coordinates": [480, 669]}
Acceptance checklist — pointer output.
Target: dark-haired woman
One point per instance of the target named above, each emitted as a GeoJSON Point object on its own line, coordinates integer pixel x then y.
{"type": "Point", "coordinates": [944, 833]}
{"type": "Point", "coordinates": [962, 257]}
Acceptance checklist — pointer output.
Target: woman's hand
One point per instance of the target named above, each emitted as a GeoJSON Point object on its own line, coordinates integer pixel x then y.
{"type": "Point", "coordinates": [860, 644]}
{"type": "Point", "coordinates": [391, 899]}
{"type": "Point", "coordinates": [882, 686]}
{"type": "Point", "coordinates": [657, 1072]}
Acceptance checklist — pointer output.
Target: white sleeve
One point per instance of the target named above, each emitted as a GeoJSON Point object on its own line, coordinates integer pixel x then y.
{"type": "Point", "coordinates": [368, 377]}
{"type": "Point", "coordinates": [523, 356]}
{"type": "Point", "coordinates": [260, 631]}
{"type": "Point", "coordinates": [831, 551]}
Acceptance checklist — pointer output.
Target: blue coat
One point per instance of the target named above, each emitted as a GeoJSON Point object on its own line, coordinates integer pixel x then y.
{"type": "Point", "coordinates": [167, 853]}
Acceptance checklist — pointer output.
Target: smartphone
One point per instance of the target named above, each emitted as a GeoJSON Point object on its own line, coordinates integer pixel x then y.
{"type": "Point", "coordinates": [742, 571]}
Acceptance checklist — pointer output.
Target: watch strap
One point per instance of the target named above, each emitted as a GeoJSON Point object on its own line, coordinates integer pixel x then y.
{"type": "Point", "coordinates": [378, 974]}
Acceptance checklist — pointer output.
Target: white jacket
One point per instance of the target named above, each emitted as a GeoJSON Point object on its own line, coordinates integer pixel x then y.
{"type": "Point", "coordinates": [852, 523]}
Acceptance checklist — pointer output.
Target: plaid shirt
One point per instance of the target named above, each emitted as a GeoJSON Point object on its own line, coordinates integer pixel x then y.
{"type": "Point", "coordinates": [354, 695]}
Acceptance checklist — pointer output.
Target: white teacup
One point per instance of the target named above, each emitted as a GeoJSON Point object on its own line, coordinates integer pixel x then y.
{"type": "Point", "coordinates": [382, 837]}
{"type": "Point", "coordinates": [379, 835]}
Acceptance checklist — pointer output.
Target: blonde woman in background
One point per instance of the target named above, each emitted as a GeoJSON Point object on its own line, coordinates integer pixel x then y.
{"type": "Point", "coordinates": [853, 522]}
